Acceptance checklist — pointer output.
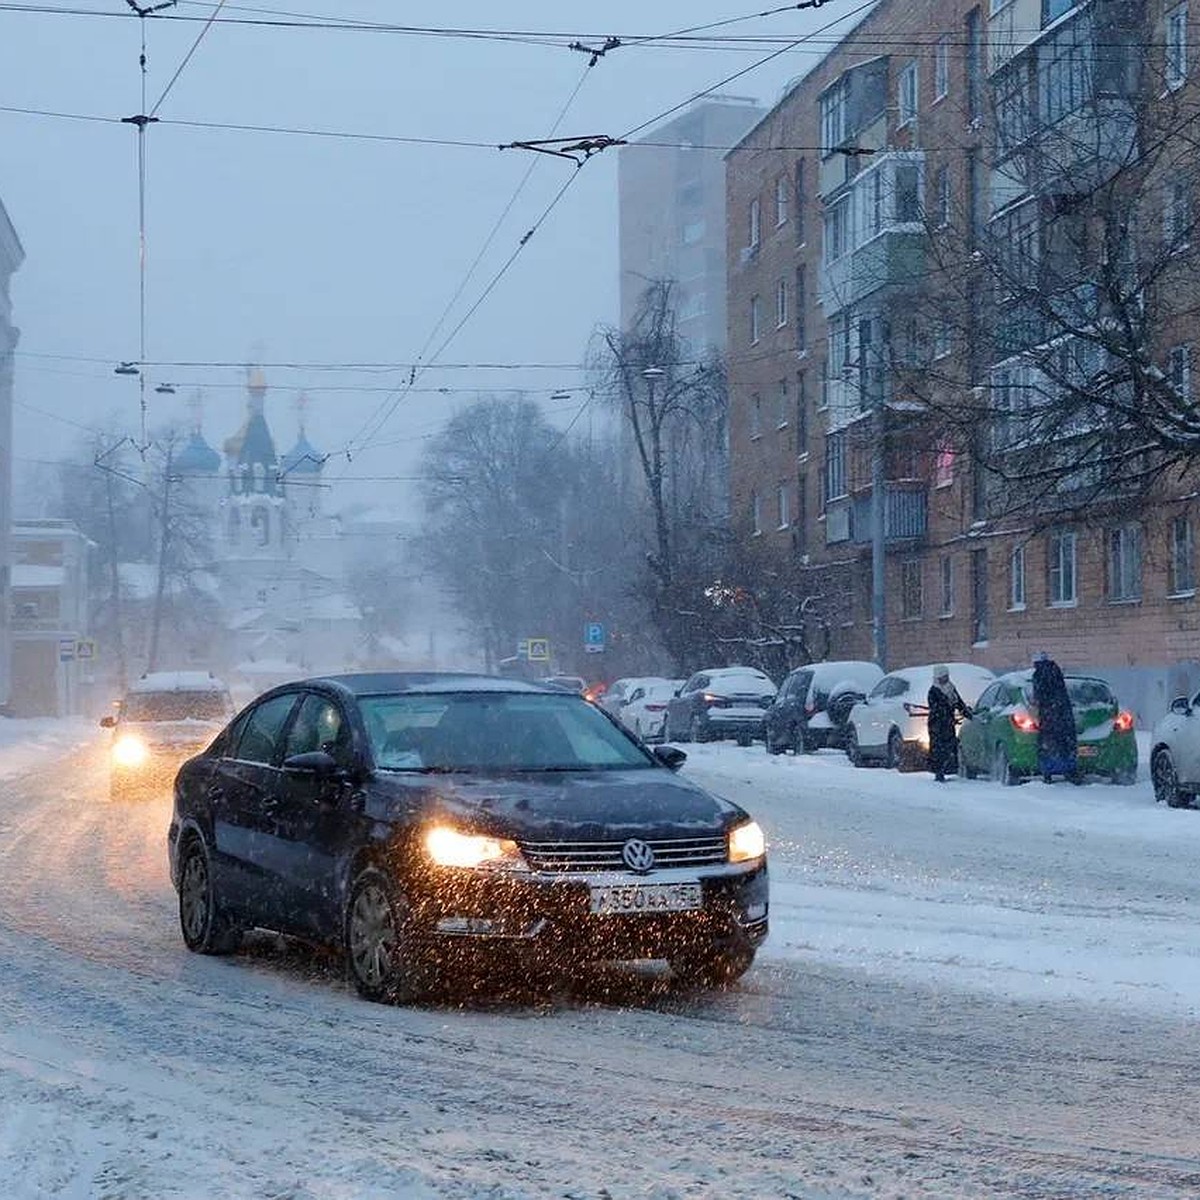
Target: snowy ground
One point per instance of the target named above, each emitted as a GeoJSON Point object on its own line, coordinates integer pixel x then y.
{"type": "Point", "coordinates": [969, 990]}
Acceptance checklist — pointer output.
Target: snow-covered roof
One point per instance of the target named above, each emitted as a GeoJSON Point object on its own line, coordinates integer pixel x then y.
{"type": "Point", "coordinates": [139, 581]}
{"type": "Point", "coordinates": [337, 607]}
{"type": "Point", "coordinates": [35, 575]}
{"type": "Point", "coordinates": [177, 681]}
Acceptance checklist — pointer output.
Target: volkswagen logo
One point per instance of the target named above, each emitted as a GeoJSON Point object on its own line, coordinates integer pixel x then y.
{"type": "Point", "coordinates": [638, 856]}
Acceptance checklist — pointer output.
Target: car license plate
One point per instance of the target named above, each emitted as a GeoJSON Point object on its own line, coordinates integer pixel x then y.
{"type": "Point", "coordinates": [645, 898]}
{"type": "Point", "coordinates": [1087, 751]}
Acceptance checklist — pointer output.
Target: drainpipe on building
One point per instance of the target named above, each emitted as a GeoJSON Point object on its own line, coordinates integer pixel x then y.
{"type": "Point", "coordinates": [878, 526]}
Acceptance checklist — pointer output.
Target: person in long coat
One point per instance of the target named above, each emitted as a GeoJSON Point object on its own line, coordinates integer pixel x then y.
{"type": "Point", "coordinates": [944, 706]}
{"type": "Point", "coordinates": [1058, 746]}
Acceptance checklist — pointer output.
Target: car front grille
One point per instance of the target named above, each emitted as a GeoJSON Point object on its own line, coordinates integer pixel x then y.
{"type": "Point", "coordinates": [606, 856]}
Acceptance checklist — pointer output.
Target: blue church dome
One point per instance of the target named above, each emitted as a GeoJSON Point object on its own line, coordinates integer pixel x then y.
{"type": "Point", "coordinates": [198, 457]}
{"type": "Point", "coordinates": [303, 458]}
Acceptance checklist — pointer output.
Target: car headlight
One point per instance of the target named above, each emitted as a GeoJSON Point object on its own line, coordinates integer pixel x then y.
{"type": "Point", "coordinates": [449, 847]}
{"type": "Point", "coordinates": [747, 842]}
{"type": "Point", "coordinates": [129, 751]}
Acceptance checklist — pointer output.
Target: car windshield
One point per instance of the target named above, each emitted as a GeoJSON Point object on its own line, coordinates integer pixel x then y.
{"type": "Point", "coordinates": [1084, 693]}
{"type": "Point", "coordinates": [495, 731]}
{"type": "Point", "coordinates": [175, 706]}
{"type": "Point", "coordinates": [744, 682]}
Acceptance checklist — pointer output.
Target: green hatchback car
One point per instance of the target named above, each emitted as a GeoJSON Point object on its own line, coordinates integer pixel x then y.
{"type": "Point", "coordinates": [1000, 739]}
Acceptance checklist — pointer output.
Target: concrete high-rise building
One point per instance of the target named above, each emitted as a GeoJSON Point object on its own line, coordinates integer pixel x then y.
{"type": "Point", "coordinates": [11, 257]}
{"type": "Point", "coordinates": [671, 185]}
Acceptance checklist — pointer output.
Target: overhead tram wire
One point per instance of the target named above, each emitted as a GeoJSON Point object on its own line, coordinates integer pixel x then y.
{"type": "Point", "coordinates": [187, 58]}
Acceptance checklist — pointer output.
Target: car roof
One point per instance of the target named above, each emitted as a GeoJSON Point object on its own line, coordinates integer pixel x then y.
{"type": "Point", "coordinates": [378, 683]}
{"type": "Point", "coordinates": [177, 681]}
{"type": "Point", "coordinates": [1026, 676]}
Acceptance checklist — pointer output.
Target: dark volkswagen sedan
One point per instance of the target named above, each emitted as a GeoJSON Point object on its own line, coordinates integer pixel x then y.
{"type": "Point", "coordinates": [428, 822]}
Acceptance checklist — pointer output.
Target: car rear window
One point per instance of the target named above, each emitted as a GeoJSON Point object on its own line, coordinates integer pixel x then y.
{"type": "Point", "coordinates": [495, 731]}
{"type": "Point", "coordinates": [176, 706]}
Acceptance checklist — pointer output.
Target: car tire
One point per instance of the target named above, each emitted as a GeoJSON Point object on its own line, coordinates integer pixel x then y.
{"type": "Point", "coordinates": [1166, 781]}
{"type": "Point", "coordinates": [969, 772]}
{"type": "Point", "coordinates": [895, 751]}
{"type": "Point", "coordinates": [773, 747]}
{"type": "Point", "coordinates": [801, 742]}
{"type": "Point", "coordinates": [205, 927]}
{"type": "Point", "coordinates": [718, 965]}
{"type": "Point", "coordinates": [697, 732]}
{"type": "Point", "coordinates": [1002, 770]}
{"type": "Point", "coordinates": [382, 961]}
{"type": "Point", "coordinates": [1126, 778]}
{"type": "Point", "coordinates": [853, 750]}
{"type": "Point", "coordinates": [745, 739]}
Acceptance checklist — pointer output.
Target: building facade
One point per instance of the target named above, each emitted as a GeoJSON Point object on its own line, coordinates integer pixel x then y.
{"type": "Point", "coordinates": [11, 257]}
{"type": "Point", "coordinates": [929, 251]}
{"type": "Point", "coordinates": [671, 196]}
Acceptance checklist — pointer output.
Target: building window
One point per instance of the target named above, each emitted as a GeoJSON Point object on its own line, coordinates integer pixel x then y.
{"type": "Point", "coordinates": [943, 465]}
{"type": "Point", "coordinates": [1179, 371]}
{"type": "Point", "coordinates": [947, 576]}
{"type": "Point", "coordinates": [1016, 579]}
{"type": "Point", "coordinates": [1065, 71]}
{"type": "Point", "coordinates": [906, 95]}
{"type": "Point", "coordinates": [693, 231]}
{"type": "Point", "coordinates": [755, 224]}
{"type": "Point", "coordinates": [941, 68]}
{"type": "Point", "coordinates": [781, 201]}
{"type": "Point", "coordinates": [1177, 214]}
{"type": "Point", "coordinates": [912, 599]}
{"type": "Point", "coordinates": [1125, 564]}
{"type": "Point", "coordinates": [781, 304]}
{"type": "Point", "coordinates": [755, 325]}
{"type": "Point", "coordinates": [800, 199]}
{"type": "Point", "coordinates": [1012, 107]}
{"type": "Point", "coordinates": [1053, 9]}
{"type": "Point", "coordinates": [942, 343]}
{"type": "Point", "coordinates": [799, 318]}
{"type": "Point", "coordinates": [783, 410]}
{"type": "Point", "coordinates": [801, 413]}
{"type": "Point", "coordinates": [755, 514]}
{"type": "Point", "coordinates": [835, 466]}
{"type": "Point", "coordinates": [1176, 63]}
{"type": "Point", "coordinates": [833, 118]}
{"type": "Point", "coordinates": [942, 211]}
{"type": "Point", "coordinates": [800, 524]}
{"type": "Point", "coordinates": [756, 416]}
{"type": "Point", "coordinates": [785, 514]}
{"type": "Point", "coordinates": [1060, 562]}
{"type": "Point", "coordinates": [836, 230]}
{"type": "Point", "coordinates": [1183, 557]}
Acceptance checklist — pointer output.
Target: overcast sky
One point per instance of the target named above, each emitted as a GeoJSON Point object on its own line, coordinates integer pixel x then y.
{"type": "Point", "coordinates": [296, 249]}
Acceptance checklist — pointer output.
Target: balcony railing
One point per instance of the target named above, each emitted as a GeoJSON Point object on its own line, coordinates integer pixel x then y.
{"type": "Point", "coordinates": [906, 512]}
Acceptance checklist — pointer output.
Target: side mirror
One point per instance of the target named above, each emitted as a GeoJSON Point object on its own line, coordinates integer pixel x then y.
{"type": "Point", "coordinates": [315, 762]}
{"type": "Point", "coordinates": [1181, 706]}
{"type": "Point", "coordinates": [670, 756]}
{"type": "Point", "coordinates": [109, 722]}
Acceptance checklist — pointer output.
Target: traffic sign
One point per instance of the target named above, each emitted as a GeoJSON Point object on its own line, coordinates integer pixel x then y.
{"type": "Point", "coordinates": [539, 649]}
{"type": "Point", "coordinates": [593, 637]}
{"type": "Point", "coordinates": [85, 648]}
{"type": "Point", "coordinates": [523, 648]}
{"type": "Point", "coordinates": [66, 650]}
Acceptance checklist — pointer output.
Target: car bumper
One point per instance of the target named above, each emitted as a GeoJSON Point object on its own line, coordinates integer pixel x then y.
{"type": "Point", "coordinates": [550, 915]}
{"type": "Point", "coordinates": [719, 724]}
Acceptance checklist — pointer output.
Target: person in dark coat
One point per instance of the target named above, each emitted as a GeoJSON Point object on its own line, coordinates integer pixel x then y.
{"type": "Point", "coordinates": [944, 706]}
{"type": "Point", "coordinates": [1058, 747]}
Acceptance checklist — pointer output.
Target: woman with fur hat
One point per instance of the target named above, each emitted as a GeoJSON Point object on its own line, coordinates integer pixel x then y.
{"type": "Point", "coordinates": [945, 704]}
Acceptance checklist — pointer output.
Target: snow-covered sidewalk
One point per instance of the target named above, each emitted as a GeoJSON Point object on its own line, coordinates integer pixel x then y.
{"type": "Point", "coordinates": [30, 742]}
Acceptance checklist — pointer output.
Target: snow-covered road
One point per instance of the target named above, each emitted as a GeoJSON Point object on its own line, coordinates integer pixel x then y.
{"type": "Point", "coordinates": [969, 991]}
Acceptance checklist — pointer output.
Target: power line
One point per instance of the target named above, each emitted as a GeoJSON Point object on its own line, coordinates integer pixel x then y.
{"type": "Point", "coordinates": [187, 58]}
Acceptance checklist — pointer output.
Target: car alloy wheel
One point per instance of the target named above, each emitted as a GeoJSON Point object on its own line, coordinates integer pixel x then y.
{"type": "Point", "coordinates": [895, 749]}
{"type": "Point", "coordinates": [1166, 781]}
{"type": "Point", "coordinates": [379, 950]}
{"type": "Point", "coordinates": [204, 927]}
{"type": "Point", "coordinates": [853, 751]}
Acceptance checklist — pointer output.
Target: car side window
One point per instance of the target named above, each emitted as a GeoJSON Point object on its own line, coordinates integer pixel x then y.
{"type": "Point", "coordinates": [691, 685]}
{"type": "Point", "coordinates": [880, 690]}
{"type": "Point", "coordinates": [263, 729]}
{"type": "Point", "coordinates": [637, 694]}
{"type": "Point", "coordinates": [319, 725]}
{"type": "Point", "coordinates": [800, 684]}
{"type": "Point", "coordinates": [989, 698]}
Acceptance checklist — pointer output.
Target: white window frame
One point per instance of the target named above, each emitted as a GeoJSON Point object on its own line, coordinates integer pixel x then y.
{"type": "Point", "coordinates": [941, 69]}
{"type": "Point", "coordinates": [1016, 579]}
{"type": "Point", "coordinates": [783, 413]}
{"type": "Point", "coordinates": [781, 303]}
{"type": "Point", "coordinates": [833, 118]}
{"type": "Point", "coordinates": [755, 514]}
{"type": "Point", "coordinates": [1062, 583]}
{"type": "Point", "coordinates": [1124, 557]}
{"type": "Point", "coordinates": [946, 581]}
{"type": "Point", "coordinates": [755, 416]}
{"type": "Point", "coordinates": [1175, 66]}
{"type": "Point", "coordinates": [837, 217]}
{"type": "Point", "coordinates": [755, 320]}
{"type": "Point", "coordinates": [783, 498]}
{"type": "Point", "coordinates": [907, 94]}
{"type": "Point", "coordinates": [755, 218]}
{"type": "Point", "coordinates": [782, 185]}
{"type": "Point", "coordinates": [1183, 557]}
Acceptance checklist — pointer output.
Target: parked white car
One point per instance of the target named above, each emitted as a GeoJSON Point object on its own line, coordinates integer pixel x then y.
{"type": "Point", "coordinates": [890, 726]}
{"type": "Point", "coordinates": [1175, 754]}
{"type": "Point", "coordinates": [645, 712]}
{"type": "Point", "coordinates": [617, 694]}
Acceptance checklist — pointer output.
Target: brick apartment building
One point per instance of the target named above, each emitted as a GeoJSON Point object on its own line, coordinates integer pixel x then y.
{"type": "Point", "coordinates": [869, 327]}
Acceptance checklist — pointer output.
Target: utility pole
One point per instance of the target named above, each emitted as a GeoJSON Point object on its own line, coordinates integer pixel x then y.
{"type": "Point", "coordinates": [878, 510]}
{"type": "Point", "coordinates": [163, 548]}
{"type": "Point", "coordinates": [115, 585]}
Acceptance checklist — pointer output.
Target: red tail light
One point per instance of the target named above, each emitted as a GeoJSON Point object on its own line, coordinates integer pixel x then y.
{"type": "Point", "coordinates": [916, 710]}
{"type": "Point", "coordinates": [1123, 722]}
{"type": "Point", "coordinates": [656, 707]}
{"type": "Point", "coordinates": [1024, 722]}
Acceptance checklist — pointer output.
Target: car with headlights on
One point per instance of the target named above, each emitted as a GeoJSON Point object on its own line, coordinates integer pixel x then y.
{"type": "Point", "coordinates": [1001, 736]}
{"type": "Point", "coordinates": [723, 702]}
{"type": "Point", "coordinates": [164, 718]}
{"type": "Point", "coordinates": [432, 824]}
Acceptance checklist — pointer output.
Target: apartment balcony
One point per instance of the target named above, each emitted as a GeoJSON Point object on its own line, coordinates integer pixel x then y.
{"type": "Point", "coordinates": [906, 513]}
{"type": "Point", "coordinates": [1023, 324]}
{"type": "Point", "coordinates": [892, 259]}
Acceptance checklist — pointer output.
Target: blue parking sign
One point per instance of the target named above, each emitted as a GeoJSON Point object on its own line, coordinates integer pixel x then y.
{"type": "Point", "coordinates": [593, 637]}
